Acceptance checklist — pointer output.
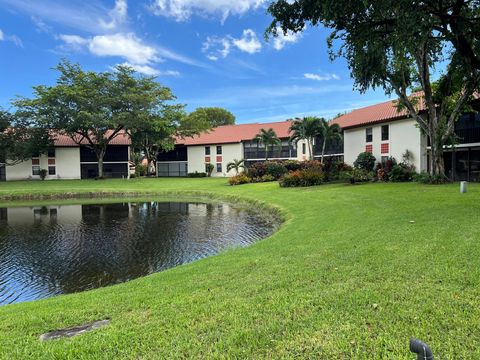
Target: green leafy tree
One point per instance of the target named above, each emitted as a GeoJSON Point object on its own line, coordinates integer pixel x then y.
{"type": "Point", "coordinates": [20, 139]}
{"type": "Point", "coordinates": [236, 165]}
{"type": "Point", "coordinates": [95, 108]}
{"type": "Point", "coordinates": [328, 133]}
{"type": "Point", "coordinates": [397, 45]}
{"type": "Point", "coordinates": [268, 138]}
{"type": "Point", "coordinates": [307, 129]}
{"type": "Point", "coordinates": [212, 116]}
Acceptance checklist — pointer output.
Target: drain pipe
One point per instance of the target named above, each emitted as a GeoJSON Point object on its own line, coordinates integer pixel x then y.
{"type": "Point", "coordinates": [422, 349]}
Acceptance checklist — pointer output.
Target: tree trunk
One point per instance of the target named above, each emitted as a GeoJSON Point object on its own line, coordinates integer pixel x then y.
{"type": "Point", "coordinates": [437, 162]}
{"type": "Point", "coordinates": [310, 148]}
{"type": "Point", "coordinates": [323, 150]}
{"type": "Point", "coordinates": [100, 157]}
{"type": "Point", "coordinates": [100, 167]}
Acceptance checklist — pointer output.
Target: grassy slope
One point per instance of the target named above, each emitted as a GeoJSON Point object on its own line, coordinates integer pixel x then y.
{"type": "Point", "coordinates": [308, 291]}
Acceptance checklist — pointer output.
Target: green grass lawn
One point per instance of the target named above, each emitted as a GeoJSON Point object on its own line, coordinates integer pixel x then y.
{"type": "Point", "coordinates": [347, 276]}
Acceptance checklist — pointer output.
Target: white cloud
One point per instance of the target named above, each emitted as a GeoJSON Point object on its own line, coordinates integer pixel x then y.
{"type": "Point", "coordinates": [151, 71]}
{"type": "Point", "coordinates": [318, 77]}
{"type": "Point", "coordinates": [248, 42]}
{"type": "Point", "coordinates": [83, 15]}
{"type": "Point", "coordinates": [220, 47]}
{"type": "Point", "coordinates": [127, 46]}
{"type": "Point", "coordinates": [40, 24]}
{"type": "Point", "coordinates": [73, 40]}
{"type": "Point", "coordinates": [13, 38]}
{"type": "Point", "coordinates": [118, 15]}
{"type": "Point", "coordinates": [216, 47]}
{"type": "Point", "coordinates": [283, 39]}
{"type": "Point", "coordinates": [182, 10]}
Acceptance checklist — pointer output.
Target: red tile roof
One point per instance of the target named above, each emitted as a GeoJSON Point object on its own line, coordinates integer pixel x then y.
{"type": "Point", "coordinates": [386, 111]}
{"type": "Point", "coordinates": [62, 140]}
{"type": "Point", "coordinates": [236, 133]}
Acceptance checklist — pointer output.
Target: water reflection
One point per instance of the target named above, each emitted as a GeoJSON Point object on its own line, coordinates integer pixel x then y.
{"type": "Point", "coordinates": [45, 251]}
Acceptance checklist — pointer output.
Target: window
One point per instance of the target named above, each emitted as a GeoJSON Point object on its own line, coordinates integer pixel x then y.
{"type": "Point", "coordinates": [304, 148]}
{"type": "Point", "coordinates": [36, 170]}
{"type": "Point", "coordinates": [219, 167]}
{"type": "Point", "coordinates": [219, 150]}
{"type": "Point", "coordinates": [52, 170]}
{"type": "Point", "coordinates": [368, 135]}
{"type": "Point", "coordinates": [385, 134]}
{"type": "Point", "coordinates": [51, 153]}
{"type": "Point", "coordinates": [207, 150]}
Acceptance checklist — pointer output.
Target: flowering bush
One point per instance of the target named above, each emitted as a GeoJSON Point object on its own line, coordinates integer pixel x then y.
{"type": "Point", "coordinates": [305, 177]}
{"type": "Point", "coordinates": [239, 179]}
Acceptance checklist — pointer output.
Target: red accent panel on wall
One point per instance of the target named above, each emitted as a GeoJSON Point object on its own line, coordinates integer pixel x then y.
{"type": "Point", "coordinates": [385, 148]}
{"type": "Point", "coordinates": [207, 159]}
{"type": "Point", "coordinates": [51, 161]}
{"type": "Point", "coordinates": [35, 161]}
{"type": "Point", "coordinates": [369, 148]}
{"type": "Point", "coordinates": [219, 159]}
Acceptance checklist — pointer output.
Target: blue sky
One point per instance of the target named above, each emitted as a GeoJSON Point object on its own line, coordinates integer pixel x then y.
{"type": "Point", "coordinates": [209, 52]}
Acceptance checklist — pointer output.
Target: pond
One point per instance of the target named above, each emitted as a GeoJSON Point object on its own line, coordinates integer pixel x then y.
{"type": "Point", "coordinates": [51, 250]}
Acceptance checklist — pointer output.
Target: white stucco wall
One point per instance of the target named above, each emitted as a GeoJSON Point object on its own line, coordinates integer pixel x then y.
{"type": "Point", "coordinates": [196, 157]}
{"type": "Point", "coordinates": [67, 162]}
{"type": "Point", "coordinates": [403, 135]}
{"type": "Point", "coordinates": [67, 214]}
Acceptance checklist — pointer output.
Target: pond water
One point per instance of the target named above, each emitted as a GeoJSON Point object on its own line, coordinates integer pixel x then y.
{"type": "Point", "coordinates": [51, 250]}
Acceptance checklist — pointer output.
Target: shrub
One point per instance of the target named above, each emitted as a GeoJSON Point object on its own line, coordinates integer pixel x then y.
{"type": "Point", "coordinates": [133, 176]}
{"type": "Point", "coordinates": [275, 169]}
{"type": "Point", "coordinates": [401, 173]}
{"type": "Point", "coordinates": [332, 169]}
{"type": "Point", "coordinates": [311, 164]}
{"type": "Point", "coordinates": [305, 177]}
{"type": "Point", "coordinates": [257, 170]}
{"type": "Point", "coordinates": [292, 165]}
{"type": "Point", "coordinates": [239, 179]}
{"type": "Point", "coordinates": [141, 170]}
{"type": "Point", "coordinates": [428, 179]}
{"type": "Point", "coordinates": [272, 168]}
{"type": "Point", "coordinates": [357, 175]}
{"type": "Point", "coordinates": [43, 174]}
{"type": "Point", "coordinates": [209, 168]}
{"type": "Point", "coordinates": [365, 161]}
{"type": "Point", "coordinates": [197, 174]}
{"type": "Point", "coordinates": [267, 178]}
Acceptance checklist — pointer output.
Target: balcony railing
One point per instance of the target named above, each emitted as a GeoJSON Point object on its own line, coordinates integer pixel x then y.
{"type": "Point", "coordinates": [468, 136]}
{"type": "Point", "coordinates": [272, 154]}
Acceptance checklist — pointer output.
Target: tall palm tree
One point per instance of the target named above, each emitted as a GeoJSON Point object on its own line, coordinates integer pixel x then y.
{"type": "Point", "coordinates": [329, 132]}
{"type": "Point", "coordinates": [268, 138]}
{"type": "Point", "coordinates": [306, 129]}
{"type": "Point", "coordinates": [236, 165]}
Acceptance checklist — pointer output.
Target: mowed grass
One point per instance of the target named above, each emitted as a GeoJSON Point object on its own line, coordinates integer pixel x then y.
{"type": "Point", "coordinates": [353, 273]}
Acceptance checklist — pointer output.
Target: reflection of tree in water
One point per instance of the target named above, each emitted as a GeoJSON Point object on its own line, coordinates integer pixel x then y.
{"type": "Point", "coordinates": [110, 243]}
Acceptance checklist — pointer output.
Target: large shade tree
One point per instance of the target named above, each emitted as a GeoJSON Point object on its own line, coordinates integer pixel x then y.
{"type": "Point", "coordinates": [306, 129]}
{"type": "Point", "coordinates": [94, 108]}
{"type": "Point", "coordinates": [20, 138]}
{"type": "Point", "coordinates": [268, 138]}
{"type": "Point", "coordinates": [398, 45]}
{"type": "Point", "coordinates": [213, 116]}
